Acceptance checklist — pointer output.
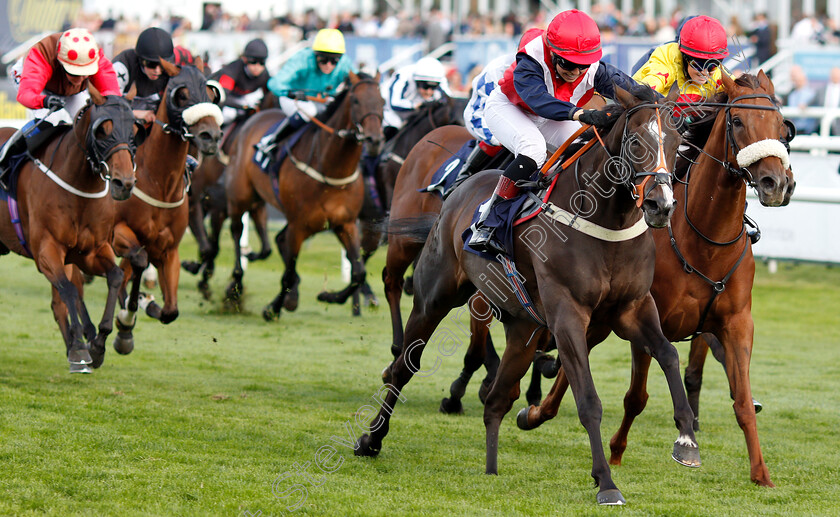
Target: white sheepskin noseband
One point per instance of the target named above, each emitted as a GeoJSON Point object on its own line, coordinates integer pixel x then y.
{"type": "Point", "coordinates": [203, 109]}
{"type": "Point", "coordinates": [762, 149]}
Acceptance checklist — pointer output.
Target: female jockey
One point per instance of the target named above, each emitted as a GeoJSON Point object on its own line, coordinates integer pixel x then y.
{"type": "Point", "coordinates": [140, 67]}
{"type": "Point", "coordinates": [52, 82]}
{"type": "Point", "coordinates": [313, 71]}
{"type": "Point", "coordinates": [410, 87]}
{"type": "Point", "coordinates": [693, 63]}
{"type": "Point", "coordinates": [538, 101]}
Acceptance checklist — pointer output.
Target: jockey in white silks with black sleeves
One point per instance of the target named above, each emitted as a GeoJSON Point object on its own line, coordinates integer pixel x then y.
{"type": "Point", "coordinates": [539, 101]}
{"type": "Point", "coordinates": [409, 88]}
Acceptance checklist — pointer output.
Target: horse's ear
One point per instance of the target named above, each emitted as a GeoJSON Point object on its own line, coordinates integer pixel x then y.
{"type": "Point", "coordinates": [199, 63]}
{"type": "Point", "coordinates": [624, 97]}
{"type": "Point", "coordinates": [353, 77]}
{"type": "Point", "coordinates": [377, 76]}
{"type": "Point", "coordinates": [765, 82]}
{"type": "Point", "coordinates": [132, 92]}
{"type": "Point", "coordinates": [728, 83]}
{"type": "Point", "coordinates": [95, 96]}
{"type": "Point", "coordinates": [171, 69]}
{"type": "Point", "coordinates": [673, 93]}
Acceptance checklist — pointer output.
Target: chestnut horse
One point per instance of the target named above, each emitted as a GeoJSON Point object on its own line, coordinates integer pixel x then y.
{"type": "Point", "coordinates": [150, 224]}
{"type": "Point", "coordinates": [704, 262]}
{"type": "Point", "coordinates": [583, 279]}
{"type": "Point", "coordinates": [318, 186]}
{"type": "Point", "coordinates": [63, 217]}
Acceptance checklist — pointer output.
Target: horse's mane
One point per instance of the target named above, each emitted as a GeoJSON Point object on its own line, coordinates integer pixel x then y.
{"type": "Point", "coordinates": [339, 98]}
{"type": "Point", "coordinates": [698, 134]}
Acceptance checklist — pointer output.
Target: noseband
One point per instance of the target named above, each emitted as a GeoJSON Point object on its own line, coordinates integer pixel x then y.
{"type": "Point", "coordinates": [98, 151]}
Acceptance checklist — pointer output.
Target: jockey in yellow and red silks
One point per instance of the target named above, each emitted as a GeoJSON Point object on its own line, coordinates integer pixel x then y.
{"type": "Point", "coordinates": [693, 63]}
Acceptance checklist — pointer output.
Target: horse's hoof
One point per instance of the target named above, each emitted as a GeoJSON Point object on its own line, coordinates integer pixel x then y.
{"type": "Point", "coordinates": [547, 366]}
{"type": "Point", "coordinates": [290, 302]}
{"type": "Point", "coordinates": [191, 266]}
{"type": "Point", "coordinates": [124, 344]}
{"type": "Point", "coordinates": [686, 454]}
{"type": "Point", "coordinates": [97, 355]}
{"type": "Point", "coordinates": [364, 447]}
{"type": "Point", "coordinates": [233, 293]}
{"type": "Point", "coordinates": [522, 419]}
{"type": "Point", "coordinates": [371, 302]}
{"type": "Point", "coordinates": [80, 368]}
{"type": "Point", "coordinates": [329, 297]}
{"type": "Point", "coordinates": [79, 356]}
{"type": "Point", "coordinates": [757, 405]}
{"type": "Point", "coordinates": [611, 497]}
{"type": "Point", "coordinates": [204, 289]}
{"type": "Point", "coordinates": [451, 406]}
{"type": "Point", "coordinates": [269, 314]}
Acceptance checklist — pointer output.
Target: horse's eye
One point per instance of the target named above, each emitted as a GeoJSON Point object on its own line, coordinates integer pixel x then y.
{"type": "Point", "coordinates": [737, 122]}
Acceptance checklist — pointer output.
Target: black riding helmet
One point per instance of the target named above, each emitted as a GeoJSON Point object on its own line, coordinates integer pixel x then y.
{"type": "Point", "coordinates": [256, 49]}
{"type": "Point", "coordinates": [154, 44]}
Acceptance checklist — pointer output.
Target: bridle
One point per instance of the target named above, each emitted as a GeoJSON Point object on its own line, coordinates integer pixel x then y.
{"type": "Point", "coordinates": [356, 134]}
{"type": "Point", "coordinates": [98, 151]}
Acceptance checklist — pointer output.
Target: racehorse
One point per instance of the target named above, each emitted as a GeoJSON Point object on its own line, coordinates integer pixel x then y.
{"type": "Point", "coordinates": [63, 217]}
{"type": "Point", "coordinates": [207, 199]}
{"type": "Point", "coordinates": [150, 225]}
{"type": "Point", "coordinates": [578, 282]}
{"type": "Point", "coordinates": [318, 185]}
{"type": "Point", "coordinates": [704, 262]}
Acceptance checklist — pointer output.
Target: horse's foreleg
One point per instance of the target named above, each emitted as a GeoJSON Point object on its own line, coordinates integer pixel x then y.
{"type": "Point", "coordinates": [639, 324]}
{"type": "Point", "coordinates": [50, 262]}
{"type": "Point", "coordinates": [399, 257]}
{"type": "Point", "coordinates": [289, 241]}
{"type": "Point", "coordinates": [259, 216]}
{"type": "Point", "coordinates": [135, 261]}
{"type": "Point", "coordinates": [694, 375]}
{"type": "Point", "coordinates": [233, 293]}
{"type": "Point", "coordinates": [170, 272]}
{"type": "Point", "coordinates": [720, 354]}
{"type": "Point", "coordinates": [196, 224]}
{"type": "Point", "coordinates": [106, 260]}
{"type": "Point", "coordinates": [635, 401]}
{"type": "Point", "coordinates": [737, 339]}
{"type": "Point", "coordinates": [473, 359]}
{"type": "Point", "coordinates": [348, 234]}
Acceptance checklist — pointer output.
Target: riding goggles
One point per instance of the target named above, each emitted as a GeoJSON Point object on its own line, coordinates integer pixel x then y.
{"type": "Point", "coordinates": [147, 63]}
{"type": "Point", "coordinates": [426, 85]}
{"type": "Point", "coordinates": [704, 65]}
{"type": "Point", "coordinates": [324, 59]}
{"type": "Point", "coordinates": [565, 64]}
{"type": "Point", "coordinates": [255, 61]}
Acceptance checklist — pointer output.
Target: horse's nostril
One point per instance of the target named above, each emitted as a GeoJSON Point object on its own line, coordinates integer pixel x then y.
{"type": "Point", "coordinates": [768, 184]}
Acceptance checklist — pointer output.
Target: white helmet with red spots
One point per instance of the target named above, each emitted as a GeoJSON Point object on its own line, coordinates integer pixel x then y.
{"type": "Point", "coordinates": [78, 52]}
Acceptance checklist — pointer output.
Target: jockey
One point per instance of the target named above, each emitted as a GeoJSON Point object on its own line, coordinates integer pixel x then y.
{"type": "Point", "coordinates": [314, 71]}
{"type": "Point", "coordinates": [538, 102]}
{"type": "Point", "coordinates": [482, 86]}
{"type": "Point", "coordinates": [140, 67]}
{"type": "Point", "coordinates": [244, 81]}
{"type": "Point", "coordinates": [410, 87]}
{"type": "Point", "coordinates": [52, 82]}
{"type": "Point", "coordinates": [693, 63]}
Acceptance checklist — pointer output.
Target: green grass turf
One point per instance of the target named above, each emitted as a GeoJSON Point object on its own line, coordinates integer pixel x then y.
{"type": "Point", "coordinates": [207, 412]}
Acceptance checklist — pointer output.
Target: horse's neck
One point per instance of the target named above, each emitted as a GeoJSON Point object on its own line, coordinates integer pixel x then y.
{"type": "Point", "coordinates": [164, 159]}
{"type": "Point", "coordinates": [65, 156]}
{"type": "Point", "coordinates": [326, 146]}
{"type": "Point", "coordinates": [715, 199]}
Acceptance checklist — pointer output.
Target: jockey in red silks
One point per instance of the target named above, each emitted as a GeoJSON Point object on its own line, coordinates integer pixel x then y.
{"type": "Point", "coordinates": [52, 82]}
{"type": "Point", "coordinates": [539, 101]}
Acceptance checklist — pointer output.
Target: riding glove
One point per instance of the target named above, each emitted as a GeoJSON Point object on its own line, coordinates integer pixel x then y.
{"type": "Point", "coordinates": [53, 102]}
{"type": "Point", "coordinates": [597, 118]}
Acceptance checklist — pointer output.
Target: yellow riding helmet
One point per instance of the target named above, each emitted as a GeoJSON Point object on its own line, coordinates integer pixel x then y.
{"type": "Point", "coordinates": [329, 40]}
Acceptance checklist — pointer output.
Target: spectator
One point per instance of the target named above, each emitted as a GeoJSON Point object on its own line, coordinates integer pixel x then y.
{"type": "Point", "coordinates": [801, 96]}
{"type": "Point", "coordinates": [761, 36]}
{"type": "Point", "coordinates": [829, 97]}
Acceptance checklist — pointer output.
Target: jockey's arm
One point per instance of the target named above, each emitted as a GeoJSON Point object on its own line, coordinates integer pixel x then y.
{"type": "Point", "coordinates": [400, 94]}
{"type": "Point", "coordinates": [36, 73]}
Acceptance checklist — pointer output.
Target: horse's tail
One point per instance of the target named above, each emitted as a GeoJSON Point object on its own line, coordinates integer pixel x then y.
{"type": "Point", "coordinates": [415, 228]}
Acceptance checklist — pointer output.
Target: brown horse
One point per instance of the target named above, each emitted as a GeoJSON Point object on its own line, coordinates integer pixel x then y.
{"type": "Point", "coordinates": [318, 186]}
{"type": "Point", "coordinates": [66, 217]}
{"type": "Point", "coordinates": [150, 224]}
{"type": "Point", "coordinates": [704, 262]}
{"type": "Point", "coordinates": [582, 279]}
{"type": "Point", "coordinates": [207, 200]}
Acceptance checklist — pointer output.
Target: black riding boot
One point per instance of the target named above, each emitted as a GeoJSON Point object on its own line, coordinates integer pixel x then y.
{"type": "Point", "coordinates": [482, 238]}
{"type": "Point", "coordinates": [16, 144]}
{"type": "Point", "coordinates": [475, 162]}
{"type": "Point", "coordinates": [289, 125]}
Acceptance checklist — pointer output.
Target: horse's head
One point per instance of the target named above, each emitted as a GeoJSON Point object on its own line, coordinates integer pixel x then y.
{"type": "Point", "coordinates": [191, 107]}
{"type": "Point", "coordinates": [366, 110]}
{"type": "Point", "coordinates": [754, 128]}
{"type": "Point", "coordinates": [646, 145]}
{"type": "Point", "coordinates": [108, 131]}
